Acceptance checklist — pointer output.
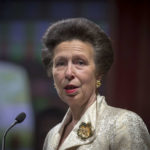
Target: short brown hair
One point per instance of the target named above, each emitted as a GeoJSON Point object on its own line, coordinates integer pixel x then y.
{"type": "Point", "coordinates": [81, 29]}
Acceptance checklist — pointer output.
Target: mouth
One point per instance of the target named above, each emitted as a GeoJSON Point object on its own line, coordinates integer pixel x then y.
{"type": "Point", "coordinates": [70, 89]}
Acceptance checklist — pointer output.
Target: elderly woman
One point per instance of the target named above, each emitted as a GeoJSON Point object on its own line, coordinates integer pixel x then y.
{"type": "Point", "coordinates": [77, 53]}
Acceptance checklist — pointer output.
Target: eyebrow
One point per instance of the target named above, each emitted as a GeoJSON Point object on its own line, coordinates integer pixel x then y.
{"type": "Point", "coordinates": [65, 57]}
{"type": "Point", "coordinates": [80, 56]}
{"type": "Point", "coordinates": [59, 58]}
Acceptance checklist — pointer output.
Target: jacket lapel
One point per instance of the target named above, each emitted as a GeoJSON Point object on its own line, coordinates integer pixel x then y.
{"type": "Point", "coordinates": [74, 139]}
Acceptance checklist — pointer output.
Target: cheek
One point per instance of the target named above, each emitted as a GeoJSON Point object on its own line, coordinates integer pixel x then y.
{"type": "Point", "coordinates": [57, 83]}
{"type": "Point", "coordinates": [56, 77]}
{"type": "Point", "coordinates": [88, 78]}
{"type": "Point", "coordinates": [58, 80]}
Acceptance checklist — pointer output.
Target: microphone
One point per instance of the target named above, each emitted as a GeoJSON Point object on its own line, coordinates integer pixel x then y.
{"type": "Point", "coordinates": [20, 118]}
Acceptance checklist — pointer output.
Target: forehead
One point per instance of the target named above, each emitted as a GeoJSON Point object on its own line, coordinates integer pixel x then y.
{"type": "Point", "coordinates": [74, 47]}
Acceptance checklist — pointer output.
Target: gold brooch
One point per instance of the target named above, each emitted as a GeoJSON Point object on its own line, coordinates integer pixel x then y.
{"type": "Point", "coordinates": [85, 131]}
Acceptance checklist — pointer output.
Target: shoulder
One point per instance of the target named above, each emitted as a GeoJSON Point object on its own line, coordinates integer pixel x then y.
{"type": "Point", "coordinates": [114, 117]}
{"type": "Point", "coordinates": [129, 130]}
{"type": "Point", "coordinates": [118, 118]}
{"type": "Point", "coordinates": [126, 118]}
{"type": "Point", "coordinates": [121, 115]}
{"type": "Point", "coordinates": [124, 129]}
{"type": "Point", "coordinates": [113, 112]}
{"type": "Point", "coordinates": [131, 123]}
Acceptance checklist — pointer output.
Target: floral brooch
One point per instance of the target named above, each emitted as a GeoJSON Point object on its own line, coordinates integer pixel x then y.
{"type": "Point", "coordinates": [85, 131]}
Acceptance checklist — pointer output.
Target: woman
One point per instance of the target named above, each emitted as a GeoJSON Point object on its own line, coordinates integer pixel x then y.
{"type": "Point", "coordinates": [78, 54]}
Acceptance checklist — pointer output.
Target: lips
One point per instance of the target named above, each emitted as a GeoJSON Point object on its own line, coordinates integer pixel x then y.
{"type": "Point", "coordinates": [70, 89]}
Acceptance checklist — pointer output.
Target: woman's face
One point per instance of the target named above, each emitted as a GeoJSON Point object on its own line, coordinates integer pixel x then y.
{"type": "Point", "coordinates": [74, 72]}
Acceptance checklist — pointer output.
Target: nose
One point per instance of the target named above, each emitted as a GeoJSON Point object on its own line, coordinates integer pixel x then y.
{"type": "Point", "coordinates": [69, 72]}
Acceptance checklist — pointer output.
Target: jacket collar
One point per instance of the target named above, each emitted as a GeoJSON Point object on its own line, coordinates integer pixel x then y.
{"type": "Point", "coordinates": [73, 140]}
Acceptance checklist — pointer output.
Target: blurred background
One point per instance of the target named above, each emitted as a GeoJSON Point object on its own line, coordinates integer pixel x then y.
{"type": "Point", "coordinates": [24, 85]}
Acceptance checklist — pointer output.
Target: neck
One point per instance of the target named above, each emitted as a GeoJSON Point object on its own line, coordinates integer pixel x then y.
{"type": "Point", "coordinates": [78, 111]}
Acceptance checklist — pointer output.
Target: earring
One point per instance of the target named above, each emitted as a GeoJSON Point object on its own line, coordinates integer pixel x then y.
{"type": "Point", "coordinates": [98, 83]}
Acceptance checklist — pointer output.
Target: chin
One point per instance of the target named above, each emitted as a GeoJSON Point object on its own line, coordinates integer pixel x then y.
{"type": "Point", "coordinates": [71, 99]}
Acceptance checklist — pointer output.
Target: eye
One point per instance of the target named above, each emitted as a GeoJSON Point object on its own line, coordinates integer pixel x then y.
{"type": "Point", "coordinates": [80, 62]}
{"type": "Point", "coordinates": [60, 63]}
